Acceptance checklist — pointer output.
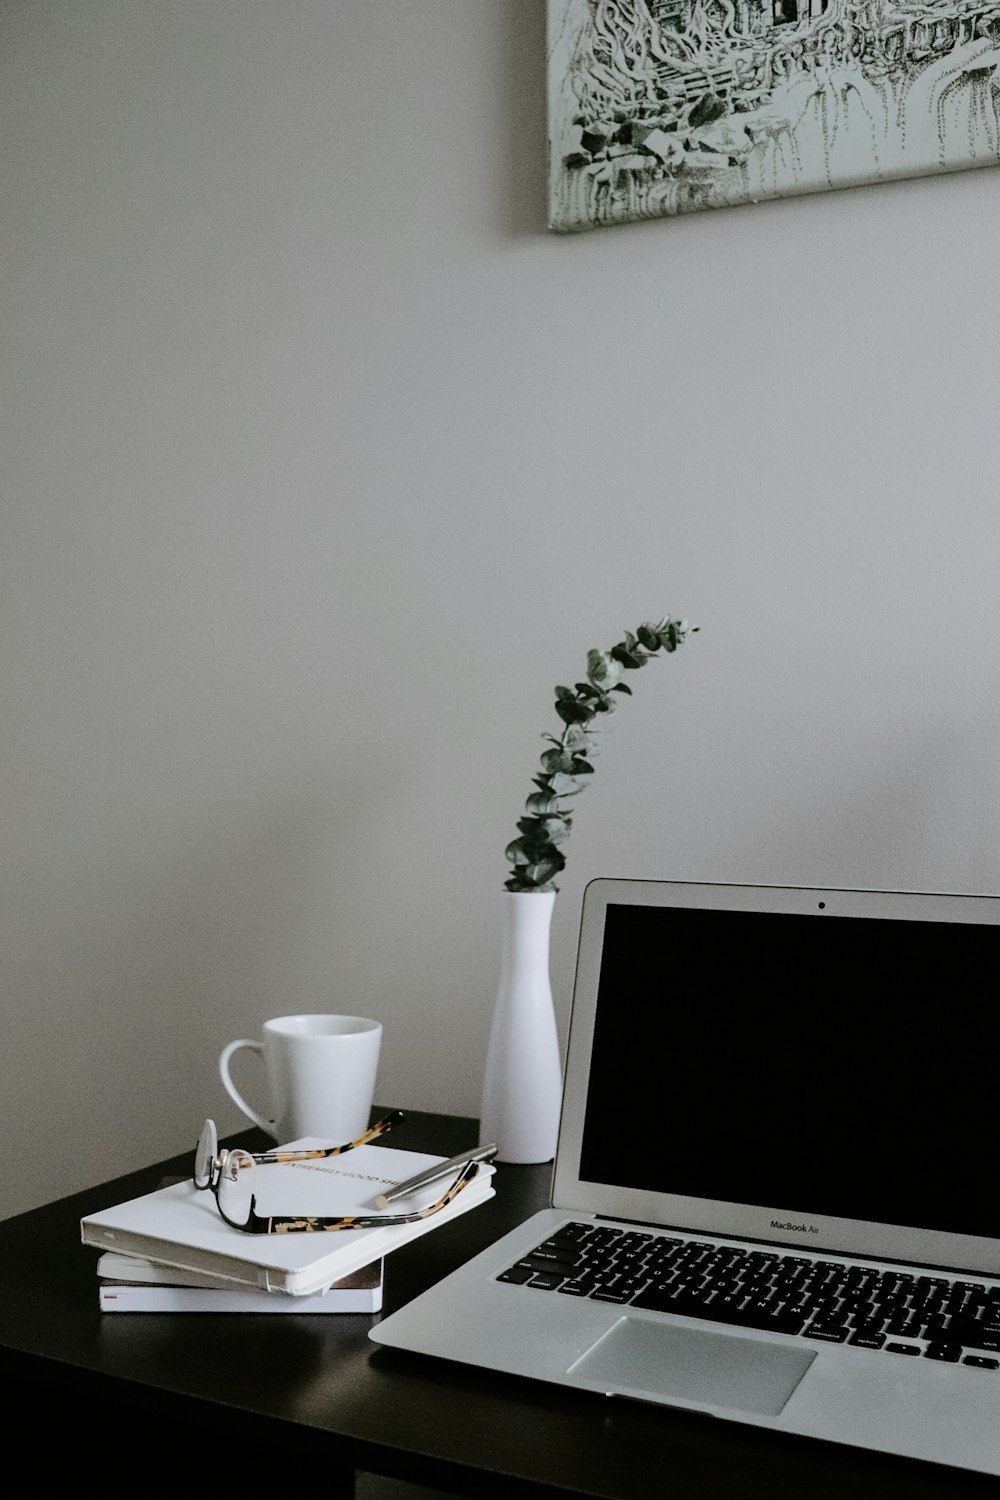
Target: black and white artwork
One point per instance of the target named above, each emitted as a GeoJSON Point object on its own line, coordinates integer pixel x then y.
{"type": "Point", "coordinates": [663, 107]}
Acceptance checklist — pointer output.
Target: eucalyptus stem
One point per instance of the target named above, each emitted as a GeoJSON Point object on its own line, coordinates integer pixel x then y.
{"type": "Point", "coordinates": [535, 857]}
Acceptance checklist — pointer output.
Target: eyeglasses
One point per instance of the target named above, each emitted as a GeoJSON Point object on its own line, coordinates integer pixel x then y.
{"type": "Point", "coordinates": [231, 1175]}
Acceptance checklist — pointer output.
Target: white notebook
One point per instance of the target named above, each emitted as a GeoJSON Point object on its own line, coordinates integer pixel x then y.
{"type": "Point", "coordinates": [132, 1283]}
{"type": "Point", "coordinates": [180, 1226]}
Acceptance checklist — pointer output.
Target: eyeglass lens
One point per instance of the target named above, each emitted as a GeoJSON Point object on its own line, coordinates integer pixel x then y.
{"type": "Point", "coordinates": [236, 1187]}
{"type": "Point", "coordinates": [205, 1154]}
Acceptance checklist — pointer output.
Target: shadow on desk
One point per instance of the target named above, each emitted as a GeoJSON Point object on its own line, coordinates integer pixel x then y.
{"type": "Point", "coordinates": [82, 1434]}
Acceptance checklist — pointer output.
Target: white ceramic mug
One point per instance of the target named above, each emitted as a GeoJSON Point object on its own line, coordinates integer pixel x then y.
{"type": "Point", "coordinates": [321, 1075]}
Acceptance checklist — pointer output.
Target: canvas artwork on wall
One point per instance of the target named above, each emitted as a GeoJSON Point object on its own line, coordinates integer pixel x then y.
{"type": "Point", "coordinates": [663, 107]}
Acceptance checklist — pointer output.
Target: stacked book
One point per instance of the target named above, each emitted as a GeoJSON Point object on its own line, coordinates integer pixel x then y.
{"type": "Point", "coordinates": [171, 1250]}
{"type": "Point", "coordinates": [132, 1283]}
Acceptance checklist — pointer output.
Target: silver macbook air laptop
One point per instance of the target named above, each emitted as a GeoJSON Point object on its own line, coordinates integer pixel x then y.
{"type": "Point", "coordinates": [775, 1192]}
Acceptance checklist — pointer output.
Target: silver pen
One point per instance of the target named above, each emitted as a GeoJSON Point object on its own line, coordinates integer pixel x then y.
{"type": "Point", "coordinates": [434, 1174]}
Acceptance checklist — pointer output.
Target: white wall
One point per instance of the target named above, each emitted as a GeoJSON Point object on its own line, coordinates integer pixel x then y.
{"type": "Point", "coordinates": [324, 460]}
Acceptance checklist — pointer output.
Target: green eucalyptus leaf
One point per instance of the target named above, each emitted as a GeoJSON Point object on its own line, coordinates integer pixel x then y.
{"type": "Point", "coordinates": [557, 760]}
{"type": "Point", "coordinates": [565, 786]}
{"type": "Point", "coordinates": [602, 669]}
{"type": "Point", "coordinates": [544, 871]}
{"type": "Point", "coordinates": [574, 712]}
{"type": "Point", "coordinates": [541, 803]}
{"type": "Point", "coordinates": [530, 826]}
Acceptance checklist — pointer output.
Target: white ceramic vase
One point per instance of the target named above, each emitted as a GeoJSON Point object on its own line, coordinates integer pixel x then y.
{"type": "Point", "coordinates": [522, 1087]}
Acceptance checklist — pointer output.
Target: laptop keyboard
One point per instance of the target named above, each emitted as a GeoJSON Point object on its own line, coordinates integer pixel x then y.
{"type": "Point", "coordinates": [869, 1307]}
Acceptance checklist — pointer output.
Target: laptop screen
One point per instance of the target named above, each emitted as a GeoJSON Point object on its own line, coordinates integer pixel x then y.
{"type": "Point", "coordinates": [783, 1049]}
{"type": "Point", "coordinates": [831, 1065]}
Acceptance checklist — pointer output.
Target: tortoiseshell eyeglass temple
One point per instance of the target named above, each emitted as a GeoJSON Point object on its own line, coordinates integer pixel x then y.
{"type": "Point", "coordinates": [371, 1134]}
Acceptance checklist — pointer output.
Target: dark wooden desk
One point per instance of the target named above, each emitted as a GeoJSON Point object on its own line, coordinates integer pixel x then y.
{"type": "Point", "coordinates": [229, 1404]}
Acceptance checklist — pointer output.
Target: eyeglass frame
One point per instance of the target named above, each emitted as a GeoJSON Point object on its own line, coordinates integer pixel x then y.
{"type": "Point", "coordinates": [218, 1162]}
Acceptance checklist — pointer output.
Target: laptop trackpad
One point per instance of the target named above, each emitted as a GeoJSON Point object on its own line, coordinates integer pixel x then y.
{"type": "Point", "coordinates": [664, 1362]}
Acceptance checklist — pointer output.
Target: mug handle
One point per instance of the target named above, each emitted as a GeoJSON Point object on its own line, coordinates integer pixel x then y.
{"type": "Point", "coordinates": [233, 1091]}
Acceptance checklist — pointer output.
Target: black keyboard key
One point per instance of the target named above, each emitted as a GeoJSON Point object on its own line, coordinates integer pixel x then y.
{"type": "Point", "coordinates": [575, 1232]}
{"type": "Point", "coordinates": [546, 1281]}
{"type": "Point", "coordinates": [829, 1333]}
{"type": "Point", "coordinates": [724, 1303]}
{"type": "Point", "coordinates": [968, 1331]}
{"type": "Point", "coordinates": [906, 1326]}
{"type": "Point", "coordinates": [901, 1348]}
{"type": "Point", "coordinates": [979, 1363]}
{"type": "Point", "coordinates": [517, 1274]}
{"type": "Point", "coordinates": [988, 1325]}
{"type": "Point", "coordinates": [949, 1353]}
{"type": "Point", "coordinates": [547, 1255]}
{"type": "Point", "coordinates": [626, 1282]}
{"type": "Point", "coordinates": [867, 1340]}
{"type": "Point", "coordinates": [560, 1242]}
{"type": "Point", "coordinates": [536, 1262]}
{"type": "Point", "coordinates": [862, 1331]}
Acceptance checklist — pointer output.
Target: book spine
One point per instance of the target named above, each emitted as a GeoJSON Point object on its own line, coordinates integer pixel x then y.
{"type": "Point", "coordinates": [137, 1270]}
{"type": "Point", "coordinates": [129, 1297]}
